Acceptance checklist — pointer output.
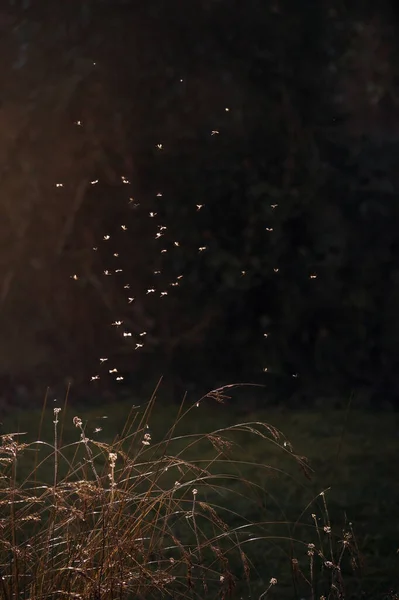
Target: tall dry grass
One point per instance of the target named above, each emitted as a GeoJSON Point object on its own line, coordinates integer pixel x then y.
{"type": "Point", "coordinates": [137, 518]}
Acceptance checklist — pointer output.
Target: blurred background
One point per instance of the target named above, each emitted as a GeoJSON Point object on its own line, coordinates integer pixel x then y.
{"type": "Point", "coordinates": [204, 191]}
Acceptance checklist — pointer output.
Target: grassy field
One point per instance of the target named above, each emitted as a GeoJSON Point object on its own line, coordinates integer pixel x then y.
{"type": "Point", "coordinates": [259, 486]}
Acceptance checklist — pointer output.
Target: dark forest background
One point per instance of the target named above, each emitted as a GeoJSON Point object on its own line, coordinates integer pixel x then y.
{"type": "Point", "coordinates": [232, 166]}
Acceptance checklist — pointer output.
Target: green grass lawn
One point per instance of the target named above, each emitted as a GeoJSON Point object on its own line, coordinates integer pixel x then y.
{"type": "Point", "coordinates": [354, 458]}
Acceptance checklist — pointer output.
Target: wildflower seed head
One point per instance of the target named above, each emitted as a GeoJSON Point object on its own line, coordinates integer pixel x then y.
{"type": "Point", "coordinates": [112, 459]}
{"type": "Point", "coordinates": [147, 439]}
{"type": "Point", "coordinates": [273, 581]}
{"type": "Point", "coordinates": [311, 548]}
{"type": "Point", "coordinates": [77, 422]}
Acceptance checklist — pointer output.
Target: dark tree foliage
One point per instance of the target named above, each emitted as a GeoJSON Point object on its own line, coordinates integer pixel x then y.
{"type": "Point", "coordinates": [231, 166]}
